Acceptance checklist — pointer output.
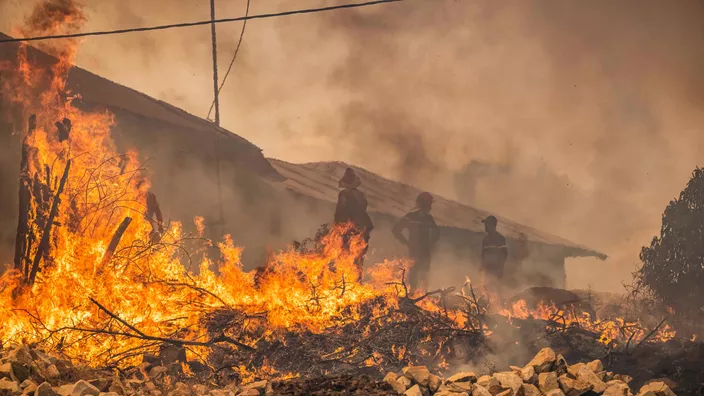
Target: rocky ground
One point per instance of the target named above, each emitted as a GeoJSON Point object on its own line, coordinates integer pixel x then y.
{"type": "Point", "coordinates": [28, 371]}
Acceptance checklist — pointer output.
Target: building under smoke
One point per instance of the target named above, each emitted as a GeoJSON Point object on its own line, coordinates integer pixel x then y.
{"type": "Point", "coordinates": [198, 169]}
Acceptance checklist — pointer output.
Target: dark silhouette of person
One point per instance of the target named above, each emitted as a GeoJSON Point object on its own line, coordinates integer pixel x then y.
{"type": "Point", "coordinates": [352, 209]}
{"type": "Point", "coordinates": [494, 255]}
{"type": "Point", "coordinates": [422, 237]}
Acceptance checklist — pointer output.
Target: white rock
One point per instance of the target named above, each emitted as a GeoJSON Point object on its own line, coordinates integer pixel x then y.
{"type": "Point", "coordinates": [80, 388]}
{"type": "Point", "coordinates": [586, 374]}
{"type": "Point", "coordinates": [478, 390]}
{"type": "Point", "coordinates": [543, 361]}
{"type": "Point", "coordinates": [509, 380]}
{"type": "Point", "coordinates": [414, 391]}
{"type": "Point", "coordinates": [419, 374]}
{"type": "Point", "coordinates": [8, 385]}
{"type": "Point", "coordinates": [596, 366]}
{"type": "Point", "coordinates": [617, 389]}
{"type": "Point", "coordinates": [529, 390]}
{"type": "Point", "coordinates": [462, 377]}
{"type": "Point", "coordinates": [44, 389]}
{"type": "Point", "coordinates": [547, 382]}
{"type": "Point", "coordinates": [658, 388]}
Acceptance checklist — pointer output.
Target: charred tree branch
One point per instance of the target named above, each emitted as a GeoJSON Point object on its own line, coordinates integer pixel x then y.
{"type": "Point", "coordinates": [139, 334]}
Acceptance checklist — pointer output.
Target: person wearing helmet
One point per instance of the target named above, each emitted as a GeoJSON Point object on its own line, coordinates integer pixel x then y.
{"type": "Point", "coordinates": [422, 236]}
{"type": "Point", "coordinates": [494, 255]}
{"type": "Point", "coordinates": [352, 209]}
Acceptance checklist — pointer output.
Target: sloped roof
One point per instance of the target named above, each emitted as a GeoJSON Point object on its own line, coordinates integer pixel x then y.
{"type": "Point", "coordinates": [320, 180]}
{"type": "Point", "coordinates": [96, 90]}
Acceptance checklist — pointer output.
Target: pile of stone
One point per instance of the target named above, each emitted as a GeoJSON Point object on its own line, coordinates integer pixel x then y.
{"type": "Point", "coordinates": [28, 371]}
{"type": "Point", "coordinates": [547, 374]}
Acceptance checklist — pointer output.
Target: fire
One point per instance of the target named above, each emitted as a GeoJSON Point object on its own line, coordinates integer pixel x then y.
{"type": "Point", "coordinates": [107, 291]}
{"type": "Point", "coordinates": [143, 283]}
{"type": "Point", "coordinates": [618, 331]}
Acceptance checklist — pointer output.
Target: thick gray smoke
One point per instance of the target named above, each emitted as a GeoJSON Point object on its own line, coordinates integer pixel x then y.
{"type": "Point", "coordinates": [579, 118]}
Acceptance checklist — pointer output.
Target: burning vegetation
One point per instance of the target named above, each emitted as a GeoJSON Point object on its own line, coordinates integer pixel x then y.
{"type": "Point", "coordinates": [98, 283]}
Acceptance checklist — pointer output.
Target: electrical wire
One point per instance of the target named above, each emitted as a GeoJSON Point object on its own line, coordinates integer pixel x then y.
{"type": "Point", "coordinates": [200, 23]}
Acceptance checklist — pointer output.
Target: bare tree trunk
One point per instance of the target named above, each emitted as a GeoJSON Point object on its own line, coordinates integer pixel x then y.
{"type": "Point", "coordinates": [46, 235]}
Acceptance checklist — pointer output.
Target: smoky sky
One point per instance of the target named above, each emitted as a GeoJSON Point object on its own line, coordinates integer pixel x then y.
{"type": "Point", "coordinates": [582, 118]}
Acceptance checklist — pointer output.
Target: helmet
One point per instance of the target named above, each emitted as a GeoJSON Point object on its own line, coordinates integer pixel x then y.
{"type": "Point", "coordinates": [490, 220]}
{"type": "Point", "coordinates": [424, 199]}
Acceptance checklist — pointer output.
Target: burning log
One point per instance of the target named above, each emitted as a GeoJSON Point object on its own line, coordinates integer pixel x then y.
{"type": "Point", "coordinates": [114, 242]}
{"type": "Point", "coordinates": [46, 235]}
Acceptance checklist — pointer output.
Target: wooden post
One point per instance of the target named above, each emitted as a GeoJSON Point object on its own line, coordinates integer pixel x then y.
{"type": "Point", "coordinates": [44, 243]}
{"type": "Point", "coordinates": [25, 197]}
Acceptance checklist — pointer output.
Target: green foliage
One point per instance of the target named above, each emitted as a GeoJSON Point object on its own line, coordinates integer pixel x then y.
{"type": "Point", "coordinates": [673, 264]}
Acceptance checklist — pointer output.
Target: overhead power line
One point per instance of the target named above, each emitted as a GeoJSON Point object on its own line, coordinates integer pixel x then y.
{"type": "Point", "coordinates": [200, 23]}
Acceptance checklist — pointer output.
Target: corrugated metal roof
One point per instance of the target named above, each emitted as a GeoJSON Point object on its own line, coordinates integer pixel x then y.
{"type": "Point", "coordinates": [320, 180]}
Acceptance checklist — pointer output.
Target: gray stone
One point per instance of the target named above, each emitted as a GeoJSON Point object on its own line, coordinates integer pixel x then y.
{"type": "Point", "coordinates": [574, 369]}
{"type": "Point", "coordinates": [547, 382]}
{"type": "Point", "coordinates": [462, 377]}
{"type": "Point", "coordinates": [622, 377]}
{"type": "Point", "coordinates": [201, 389]}
{"type": "Point", "coordinates": [450, 393]}
{"type": "Point", "coordinates": [390, 376]}
{"type": "Point", "coordinates": [157, 371]}
{"type": "Point", "coordinates": [28, 383]}
{"type": "Point", "coordinates": [529, 390]}
{"type": "Point", "coordinates": [458, 387]}
{"type": "Point", "coordinates": [659, 388]}
{"type": "Point", "coordinates": [560, 366]}
{"type": "Point", "coordinates": [543, 361]}
{"type": "Point", "coordinates": [21, 355]}
{"type": "Point", "coordinates": [670, 383]}
{"type": "Point", "coordinates": [419, 374]}
{"type": "Point", "coordinates": [392, 379]}
{"type": "Point", "coordinates": [51, 372]}
{"type": "Point", "coordinates": [405, 381]}
{"type": "Point", "coordinates": [586, 374]}
{"type": "Point", "coordinates": [490, 383]}
{"type": "Point", "coordinates": [509, 380]}
{"type": "Point", "coordinates": [6, 370]}
{"type": "Point", "coordinates": [20, 372]}
{"type": "Point", "coordinates": [44, 389]}
{"type": "Point", "coordinates": [414, 391]}
{"type": "Point", "coordinates": [617, 389]}
{"type": "Point", "coordinates": [574, 387]}
{"type": "Point", "coordinates": [434, 382]}
{"type": "Point", "coordinates": [528, 375]}
{"type": "Point", "coordinates": [478, 390]}
{"type": "Point", "coordinates": [555, 392]}
{"type": "Point", "coordinates": [596, 366]}
{"type": "Point", "coordinates": [80, 388]}
{"type": "Point", "coordinates": [8, 386]}
{"type": "Point", "coordinates": [182, 389]}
